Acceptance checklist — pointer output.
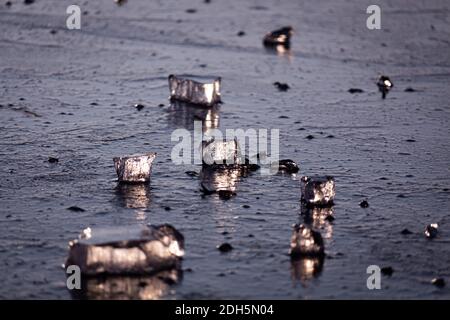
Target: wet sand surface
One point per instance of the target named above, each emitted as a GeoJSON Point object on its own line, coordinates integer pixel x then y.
{"type": "Point", "coordinates": [70, 94]}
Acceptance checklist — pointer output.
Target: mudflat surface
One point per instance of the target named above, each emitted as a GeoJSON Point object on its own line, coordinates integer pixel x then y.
{"type": "Point", "coordinates": [70, 94]}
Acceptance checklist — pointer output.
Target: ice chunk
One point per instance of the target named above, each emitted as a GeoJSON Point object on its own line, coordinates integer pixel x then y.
{"type": "Point", "coordinates": [135, 168]}
{"type": "Point", "coordinates": [317, 191]}
{"type": "Point", "coordinates": [130, 250]}
{"type": "Point", "coordinates": [207, 94]}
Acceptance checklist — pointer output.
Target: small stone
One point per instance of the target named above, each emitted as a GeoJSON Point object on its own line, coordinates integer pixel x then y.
{"type": "Point", "coordinates": [409, 89]}
{"type": "Point", "coordinates": [384, 85]}
{"type": "Point", "coordinates": [387, 271]}
{"type": "Point", "coordinates": [438, 282]}
{"type": "Point", "coordinates": [28, 2]}
{"type": "Point", "coordinates": [53, 160]}
{"type": "Point", "coordinates": [191, 10]}
{"type": "Point", "coordinates": [139, 106]}
{"type": "Point", "coordinates": [225, 247]}
{"type": "Point", "coordinates": [281, 86]}
{"type": "Point", "coordinates": [245, 206]}
{"type": "Point", "coordinates": [309, 137]}
{"type": "Point", "coordinates": [120, 2]}
{"type": "Point", "coordinates": [288, 166]}
{"type": "Point", "coordinates": [53, 31]}
{"type": "Point", "coordinates": [192, 173]}
{"type": "Point", "coordinates": [8, 3]}
{"type": "Point", "coordinates": [355, 90]}
{"type": "Point", "coordinates": [364, 204]}
{"type": "Point", "coordinates": [94, 104]}
{"type": "Point", "coordinates": [75, 209]}
{"type": "Point", "coordinates": [167, 208]}
{"type": "Point", "coordinates": [405, 232]}
{"type": "Point", "coordinates": [279, 37]}
{"type": "Point", "coordinates": [431, 230]}
{"type": "Point", "coordinates": [241, 34]}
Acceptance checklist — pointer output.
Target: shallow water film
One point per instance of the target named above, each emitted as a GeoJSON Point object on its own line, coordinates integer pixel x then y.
{"type": "Point", "coordinates": [72, 100]}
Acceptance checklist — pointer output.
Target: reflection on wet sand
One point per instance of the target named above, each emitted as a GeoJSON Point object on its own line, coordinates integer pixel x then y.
{"type": "Point", "coordinates": [320, 218]}
{"type": "Point", "coordinates": [281, 51]}
{"type": "Point", "coordinates": [134, 196]}
{"type": "Point", "coordinates": [306, 268]}
{"type": "Point", "coordinates": [152, 287]}
{"type": "Point", "coordinates": [182, 114]}
{"type": "Point", "coordinates": [223, 179]}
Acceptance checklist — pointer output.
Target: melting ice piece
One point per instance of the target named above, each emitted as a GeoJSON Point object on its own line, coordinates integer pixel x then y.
{"type": "Point", "coordinates": [306, 242]}
{"type": "Point", "coordinates": [318, 191]}
{"type": "Point", "coordinates": [226, 153]}
{"type": "Point", "coordinates": [135, 168]}
{"type": "Point", "coordinates": [148, 287]}
{"type": "Point", "coordinates": [384, 85]}
{"type": "Point", "coordinates": [207, 94]}
{"type": "Point", "coordinates": [130, 250]}
{"type": "Point", "coordinates": [279, 37]}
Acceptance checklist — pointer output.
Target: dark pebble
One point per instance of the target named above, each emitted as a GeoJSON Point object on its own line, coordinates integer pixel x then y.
{"type": "Point", "coordinates": [139, 106]}
{"type": "Point", "coordinates": [53, 31]}
{"type": "Point", "coordinates": [28, 1]}
{"type": "Point", "coordinates": [355, 90]}
{"type": "Point", "coordinates": [245, 206]}
{"type": "Point", "coordinates": [225, 247]}
{"type": "Point", "coordinates": [431, 231]}
{"type": "Point", "coordinates": [161, 105]}
{"type": "Point", "coordinates": [330, 136]}
{"type": "Point", "coordinates": [94, 104]}
{"type": "Point", "coordinates": [191, 10]}
{"type": "Point", "coordinates": [192, 173]}
{"type": "Point", "coordinates": [76, 209]}
{"type": "Point", "coordinates": [167, 208]}
{"type": "Point", "coordinates": [438, 282]}
{"type": "Point", "coordinates": [281, 86]}
{"type": "Point", "coordinates": [288, 166]}
{"type": "Point", "coordinates": [8, 3]}
{"type": "Point", "coordinates": [53, 160]}
{"type": "Point", "coordinates": [410, 140]}
{"type": "Point", "coordinates": [387, 271]}
{"type": "Point", "coordinates": [405, 232]}
{"type": "Point", "coordinates": [241, 33]}
{"type": "Point", "coordinates": [364, 204]}
{"type": "Point", "coordinates": [310, 137]}
{"type": "Point", "coordinates": [409, 89]}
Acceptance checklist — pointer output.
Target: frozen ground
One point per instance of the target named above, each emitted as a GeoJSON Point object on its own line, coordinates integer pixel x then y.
{"type": "Point", "coordinates": [394, 152]}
